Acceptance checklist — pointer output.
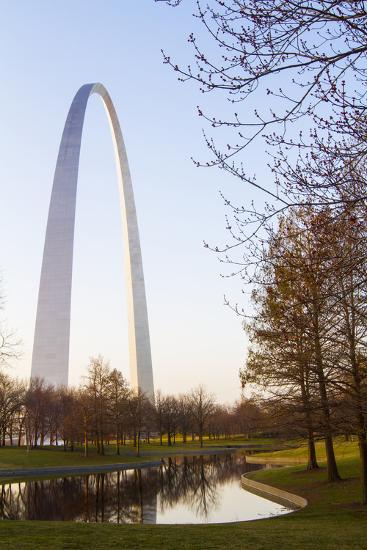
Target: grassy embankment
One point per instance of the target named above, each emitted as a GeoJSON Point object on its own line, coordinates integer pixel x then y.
{"type": "Point", "coordinates": [333, 519]}
{"type": "Point", "coordinates": [19, 457]}
{"type": "Point", "coordinates": [52, 456]}
{"type": "Point", "coordinates": [343, 449]}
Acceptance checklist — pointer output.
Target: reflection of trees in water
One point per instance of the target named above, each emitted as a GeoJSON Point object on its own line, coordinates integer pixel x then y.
{"type": "Point", "coordinates": [128, 496]}
{"type": "Point", "coordinates": [192, 482]}
{"type": "Point", "coordinates": [10, 502]}
{"type": "Point", "coordinates": [204, 495]}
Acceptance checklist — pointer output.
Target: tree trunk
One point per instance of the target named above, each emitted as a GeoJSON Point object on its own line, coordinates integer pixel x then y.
{"type": "Point", "coordinates": [20, 433]}
{"type": "Point", "coordinates": [350, 311]}
{"type": "Point", "coordinates": [138, 444]}
{"type": "Point", "coordinates": [85, 443]}
{"type": "Point", "coordinates": [362, 442]}
{"type": "Point", "coordinates": [201, 437]}
{"type": "Point", "coordinates": [117, 442]}
{"type": "Point", "coordinates": [332, 469]}
{"type": "Point", "coordinates": [312, 460]}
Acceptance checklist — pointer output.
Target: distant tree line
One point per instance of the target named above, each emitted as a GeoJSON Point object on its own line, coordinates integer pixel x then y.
{"type": "Point", "coordinates": [106, 410]}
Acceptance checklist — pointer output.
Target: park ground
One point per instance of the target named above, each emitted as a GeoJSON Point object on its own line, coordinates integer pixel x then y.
{"type": "Point", "coordinates": [19, 457]}
{"type": "Point", "coordinates": [334, 519]}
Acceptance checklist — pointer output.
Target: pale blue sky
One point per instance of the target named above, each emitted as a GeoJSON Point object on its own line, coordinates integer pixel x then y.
{"type": "Point", "coordinates": [49, 49]}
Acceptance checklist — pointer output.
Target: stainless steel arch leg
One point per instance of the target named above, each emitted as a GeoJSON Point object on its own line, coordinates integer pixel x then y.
{"type": "Point", "coordinates": [52, 332]}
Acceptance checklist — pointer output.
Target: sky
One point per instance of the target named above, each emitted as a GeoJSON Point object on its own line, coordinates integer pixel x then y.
{"type": "Point", "coordinates": [50, 49]}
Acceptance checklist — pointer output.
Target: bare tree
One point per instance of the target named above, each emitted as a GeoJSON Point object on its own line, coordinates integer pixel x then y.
{"type": "Point", "coordinates": [249, 417]}
{"type": "Point", "coordinates": [170, 417]}
{"type": "Point", "coordinates": [202, 407]}
{"type": "Point", "coordinates": [159, 414]}
{"type": "Point", "coordinates": [98, 388]}
{"type": "Point", "coordinates": [12, 395]}
{"type": "Point", "coordinates": [295, 59]}
{"type": "Point", "coordinates": [86, 415]}
{"type": "Point", "coordinates": [70, 427]}
{"type": "Point", "coordinates": [38, 400]}
{"type": "Point", "coordinates": [9, 346]}
{"type": "Point", "coordinates": [184, 415]}
{"type": "Point", "coordinates": [118, 404]}
{"type": "Point", "coordinates": [138, 408]}
{"type": "Point", "coordinates": [9, 342]}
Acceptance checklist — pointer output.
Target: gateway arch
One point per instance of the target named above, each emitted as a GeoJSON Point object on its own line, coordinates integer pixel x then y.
{"type": "Point", "coordinates": [50, 358]}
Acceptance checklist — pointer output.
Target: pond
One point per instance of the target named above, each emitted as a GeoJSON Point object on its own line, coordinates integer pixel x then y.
{"type": "Point", "coordinates": [193, 489]}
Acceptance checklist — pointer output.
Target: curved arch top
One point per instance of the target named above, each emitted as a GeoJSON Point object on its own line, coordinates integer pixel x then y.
{"type": "Point", "coordinates": [50, 358]}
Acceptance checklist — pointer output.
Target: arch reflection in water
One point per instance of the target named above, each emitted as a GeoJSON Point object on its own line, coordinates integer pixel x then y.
{"type": "Point", "coordinates": [185, 490]}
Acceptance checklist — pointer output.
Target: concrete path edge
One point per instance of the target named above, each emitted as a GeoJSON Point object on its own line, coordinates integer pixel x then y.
{"type": "Point", "coordinates": [295, 502]}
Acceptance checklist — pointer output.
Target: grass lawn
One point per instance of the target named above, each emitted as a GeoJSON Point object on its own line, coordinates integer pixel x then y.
{"type": "Point", "coordinates": [333, 520]}
{"type": "Point", "coordinates": [19, 457]}
{"type": "Point", "coordinates": [343, 449]}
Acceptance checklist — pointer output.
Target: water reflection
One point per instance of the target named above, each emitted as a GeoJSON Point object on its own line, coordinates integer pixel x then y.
{"type": "Point", "coordinates": [188, 489]}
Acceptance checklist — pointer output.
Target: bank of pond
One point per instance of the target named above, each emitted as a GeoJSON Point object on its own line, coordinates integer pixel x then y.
{"type": "Point", "coordinates": [188, 489]}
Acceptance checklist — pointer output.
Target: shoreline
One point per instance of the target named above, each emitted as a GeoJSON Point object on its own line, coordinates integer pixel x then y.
{"type": "Point", "coordinates": [65, 471]}
{"type": "Point", "coordinates": [269, 492]}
